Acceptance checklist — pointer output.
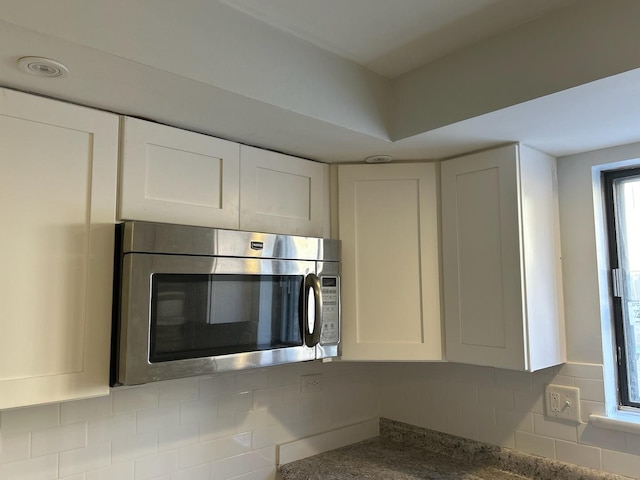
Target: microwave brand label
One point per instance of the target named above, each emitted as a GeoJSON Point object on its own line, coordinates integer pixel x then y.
{"type": "Point", "coordinates": [257, 245]}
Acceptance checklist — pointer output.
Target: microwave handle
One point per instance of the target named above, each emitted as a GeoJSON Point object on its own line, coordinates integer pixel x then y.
{"type": "Point", "coordinates": [311, 282]}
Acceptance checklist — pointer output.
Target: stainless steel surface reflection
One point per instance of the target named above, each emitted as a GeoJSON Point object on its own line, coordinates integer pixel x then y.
{"type": "Point", "coordinates": [196, 301]}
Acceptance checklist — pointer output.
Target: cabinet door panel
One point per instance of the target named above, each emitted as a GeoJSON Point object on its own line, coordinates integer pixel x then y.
{"type": "Point", "coordinates": [481, 259]}
{"type": "Point", "coordinates": [283, 194]}
{"type": "Point", "coordinates": [481, 284]}
{"type": "Point", "coordinates": [175, 176]}
{"type": "Point", "coordinates": [58, 173]}
{"type": "Point", "coordinates": [390, 273]}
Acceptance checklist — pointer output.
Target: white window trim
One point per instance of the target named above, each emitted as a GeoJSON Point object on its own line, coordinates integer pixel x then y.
{"type": "Point", "coordinates": [614, 417]}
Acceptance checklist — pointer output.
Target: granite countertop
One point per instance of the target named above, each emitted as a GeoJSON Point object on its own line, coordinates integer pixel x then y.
{"type": "Point", "coordinates": [407, 452]}
{"type": "Point", "coordinates": [380, 458]}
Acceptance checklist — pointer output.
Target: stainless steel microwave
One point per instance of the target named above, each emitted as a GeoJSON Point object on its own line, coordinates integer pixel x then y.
{"type": "Point", "coordinates": [196, 301]}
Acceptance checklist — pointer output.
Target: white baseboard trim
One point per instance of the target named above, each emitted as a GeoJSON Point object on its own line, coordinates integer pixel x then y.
{"type": "Point", "coordinates": [323, 442]}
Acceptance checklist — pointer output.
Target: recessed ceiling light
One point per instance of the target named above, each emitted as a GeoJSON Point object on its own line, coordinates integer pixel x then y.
{"type": "Point", "coordinates": [43, 67]}
{"type": "Point", "coordinates": [378, 159]}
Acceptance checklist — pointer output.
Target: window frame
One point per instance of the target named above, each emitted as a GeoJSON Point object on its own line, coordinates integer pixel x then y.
{"type": "Point", "coordinates": [620, 351]}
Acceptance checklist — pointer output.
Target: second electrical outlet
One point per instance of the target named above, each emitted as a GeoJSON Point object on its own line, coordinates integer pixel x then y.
{"type": "Point", "coordinates": [311, 383]}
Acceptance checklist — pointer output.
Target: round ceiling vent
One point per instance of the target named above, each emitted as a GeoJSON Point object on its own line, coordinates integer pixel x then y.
{"type": "Point", "coordinates": [43, 67]}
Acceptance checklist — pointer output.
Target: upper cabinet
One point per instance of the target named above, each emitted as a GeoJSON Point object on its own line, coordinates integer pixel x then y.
{"type": "Point", "coordinates": [58, 165]}
{"type": "Point", "coordinates": [176, 176]}
{"type": "Point", "coordinates": [283, 194]}
{"type": "Point", "coordinates": [501, 260]}
{"type": "Point", "coordinates": [388, 224]}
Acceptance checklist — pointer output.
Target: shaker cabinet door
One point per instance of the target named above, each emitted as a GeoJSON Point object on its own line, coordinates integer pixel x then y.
{"type": "Point", "coordinates": [388, 225]}
{"type": "Point", "coordinates": [58, 167]}
{"type": "Point", "coordinates": [501, 260]}
{"type": "Point", "coordinates": [283, 194]}
{"type": "Point", "coordinates": [175, 176]}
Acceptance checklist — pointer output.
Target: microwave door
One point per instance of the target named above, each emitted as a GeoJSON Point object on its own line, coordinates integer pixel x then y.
{"type": "Point", "coordinates": [196, 315]}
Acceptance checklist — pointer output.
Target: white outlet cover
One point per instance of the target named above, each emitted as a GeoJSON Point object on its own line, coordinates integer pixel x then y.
{"type": "Point", "coordinates": [562, 402]}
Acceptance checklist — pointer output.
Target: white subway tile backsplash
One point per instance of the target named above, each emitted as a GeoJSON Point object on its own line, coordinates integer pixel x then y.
{"type": "Point", "coordinates": [250, 380]}
{"type": "Point", "coordinates": [58, 439]}
{"type": "Point", "coordinates": [592, 390]}
{"type": "Point", "coordinates": [178, 436]}
{"type": "Point", "coordinates": [128, 400]}
{"type": "Point", "coordinates": [111, 428]}
{"type": "Point", "coordinates": [83, 410]}
{"type": "Point", "coordinates": [600, 437]}
{"type": "Point", "coordinates": [535, 444]}
{"type": "Point", "coordinates": [202, 410]}
{"type": "Point", "coordinates": [14, 446]}
{"type": "Point", "coordinates": [29, 419]}
{"type": "Point", "coordinates": [227, 426]}
{"type": "Point", "coordinates": [198, 454]}
{"type": "Point", "coordinates": [268, 398]}
{"type": "Point", "coordinates": [232, 405]}
{"type": "Point", "coordinates": [522, 421]}
{"type": "Point", "coordinates": [85, 459]}
{"type": "Point", "coordinates": [621, 463]}
{"type": "Point", "coordinates": [158, 419]}
{"type": "Point", "coordinates": [130, 448]}
{"type": "Point", "coordinates": [201, 472]}
{"type": "Point", "coordinates": [586, 456]}
{"type": "Point", "coordinates": [551, 427]}
{"type": "Point", "coordinates": [40, 468]}
{"type": "Point", "coordinates": [178, 391]}
{"type": "Point", "coordinates": [228, 468]}
{"type": "Point", "coordinates": [234, 445]}
{"type": "Point", "coordinates": [223, 384]}
{"type": "Point", "coordinates": [499, 397]}
{"type": "Point", "coordinates": [153, 466]}
{"type": "Point", "coordinates": [217, 428]}
{"type": "Point", "coordinates": [588, 408]}
{"type": "Point", "coordinates": [119, 471]}
{"type": "Point", "coordinates": [582, 370]}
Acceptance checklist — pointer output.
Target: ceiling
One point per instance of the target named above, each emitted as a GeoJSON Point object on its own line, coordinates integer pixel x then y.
{"type": "Point", "coordinates": [391, 38]}
{"type": "Point", "coordinates": [339, 80]}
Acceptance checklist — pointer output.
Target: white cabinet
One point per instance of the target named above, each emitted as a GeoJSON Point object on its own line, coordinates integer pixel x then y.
{"type": "Point", "coordinates": [283, 194]}
{"type": "Point", "coordinates": [388, 224]}
{"type": "Point", "coordinates": [58, 166]}
{"type": "Point", "coordinates": [176, 176]}
{"type": "Point", "coordinates": [501, 260]}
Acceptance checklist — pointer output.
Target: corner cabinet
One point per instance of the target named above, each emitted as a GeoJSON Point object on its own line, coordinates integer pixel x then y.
{"type": "Point", "coordinates": [58, 167]}
{"type": "Point", "coordinates": [171, 175]}
{"type": "Point", "coordinates": [388, 224]}
{"type": "Point", "coordinates": [501, 260]}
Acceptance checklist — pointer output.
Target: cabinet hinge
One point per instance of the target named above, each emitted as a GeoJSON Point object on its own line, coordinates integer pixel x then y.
{"type": "Point", "coordinates": [616, 282]}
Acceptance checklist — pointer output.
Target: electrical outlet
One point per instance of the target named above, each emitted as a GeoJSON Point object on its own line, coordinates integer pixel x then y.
{"type": "Point", "coordinates": [563, 402]}
{"type": "Point", "coordinates": [311, 383]}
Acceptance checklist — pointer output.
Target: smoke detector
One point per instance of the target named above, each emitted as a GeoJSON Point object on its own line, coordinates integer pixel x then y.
{"type": "Point", "coordinates": [378, 159]}
{"type": "Point", "coordinates": [42, 67]}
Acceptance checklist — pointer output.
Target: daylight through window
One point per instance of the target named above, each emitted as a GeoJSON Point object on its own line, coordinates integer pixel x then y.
{"type": "Point", "coordinates": [622, 197]}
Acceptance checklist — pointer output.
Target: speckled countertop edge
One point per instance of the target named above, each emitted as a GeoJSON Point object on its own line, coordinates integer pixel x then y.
{"type": "Point", "coordinates": [471, 451]}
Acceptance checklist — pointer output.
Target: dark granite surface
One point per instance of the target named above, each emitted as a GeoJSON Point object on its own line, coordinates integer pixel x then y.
{"type": "Point", "coordinates": [406, 452]}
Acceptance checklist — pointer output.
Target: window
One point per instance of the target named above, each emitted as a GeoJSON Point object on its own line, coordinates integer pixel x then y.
{"type": "Point", "coordinates": [622, 202]}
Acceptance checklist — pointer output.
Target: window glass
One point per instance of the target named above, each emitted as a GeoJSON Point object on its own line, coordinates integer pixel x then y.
{"type": "Point", "coordinates": [623, 206]}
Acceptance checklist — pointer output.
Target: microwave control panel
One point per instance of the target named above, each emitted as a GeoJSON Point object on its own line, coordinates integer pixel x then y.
{"type": "Point", "coordinates": [330, 291]}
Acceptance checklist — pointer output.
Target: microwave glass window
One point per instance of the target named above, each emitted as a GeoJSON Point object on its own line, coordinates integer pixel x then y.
{"type": "Point", "coordinates": [205, 315]}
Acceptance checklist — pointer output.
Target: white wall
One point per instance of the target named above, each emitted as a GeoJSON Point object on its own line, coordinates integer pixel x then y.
{"type": "Point", "coordinates": [506, 407]}
{"type": "Point", "coordinates": [208, 428]}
